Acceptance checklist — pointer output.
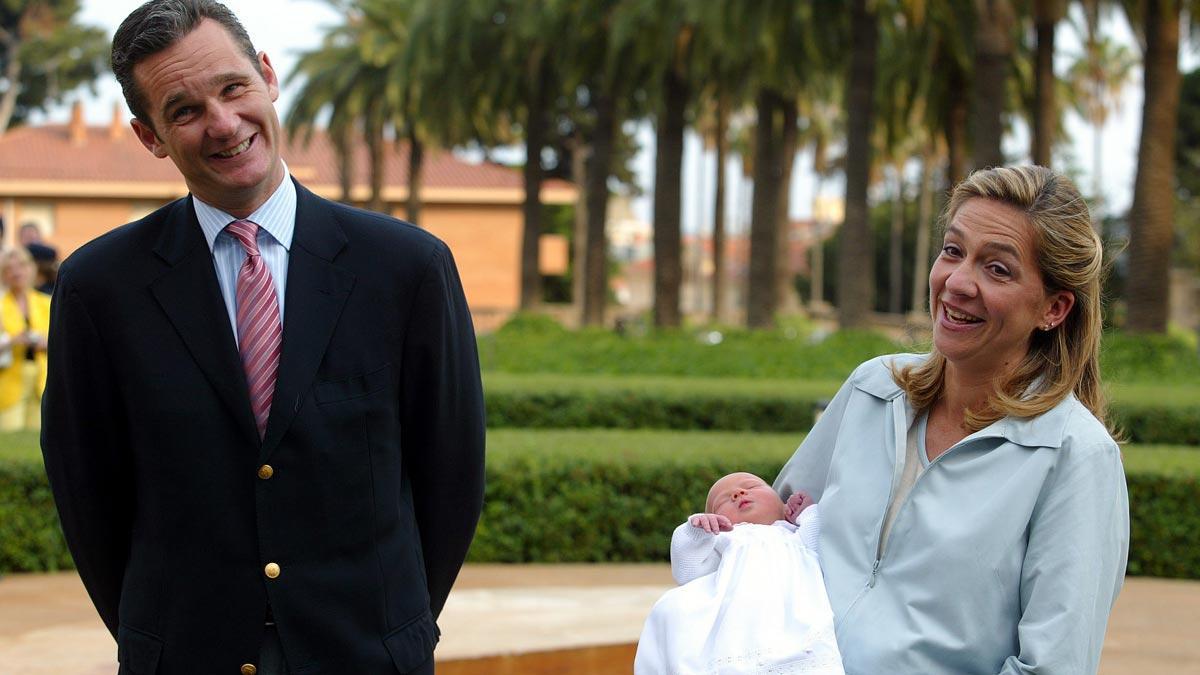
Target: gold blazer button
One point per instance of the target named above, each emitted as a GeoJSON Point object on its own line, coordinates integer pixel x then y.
{"type": "Point", "coordinates": [265, 471]}
{"type": "Point", "coordinates": [271, 570]}
{"type": "Point", "coordinates": [249, 669]}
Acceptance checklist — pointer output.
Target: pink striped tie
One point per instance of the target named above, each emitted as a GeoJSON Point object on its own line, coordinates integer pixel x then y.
{"type": "Point", "coordinates": [258, 327]}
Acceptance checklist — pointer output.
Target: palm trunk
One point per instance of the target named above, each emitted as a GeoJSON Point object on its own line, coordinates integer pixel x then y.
{"type": "Point", "coordinates": [718, 236]}
{"type": "Point", "coordinates": [375, 146]}
{"type": "Point", "coordinates": [762, 295]}
{"type": "Point", "coordinates": [957, 114]}
{"type": "Point", "coordinates": [896, 244]}
{"type": "Point", "coordinates": [1047, 13]}
{"type": "Point", "coordinates": [785, 285]}
{"type": "Point", "coordinates": [416, 159]}
{"type": "Point", "coordinates": [344, 145]}
{"type": "Point", "coordinates": [1151, 217]}
{"type": "Point", "coordinates": [668, 162]}
{"type": "Point", "coordinates": [12, 73]}
{"type": "Point", "coordinates": [580, 152]}
{"type": "Point", "coordinates": [816, 272]}
{"type": "Point", "coordinates": [535, 131]}
{"type": "Point", "coordinates": [924, 218]}
{"type": "Point", "coordinates": [993, 51]}
{"type": "Point", "coordinates": [856, 258]}
{"type": "Point", "coordinates": [595, 293]}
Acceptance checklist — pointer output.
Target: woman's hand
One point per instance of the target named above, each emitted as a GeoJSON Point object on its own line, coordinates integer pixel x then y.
{"type": "Point", "coordinates": [796, 505]}
{"type": "Point", "coordinates": [711, 522]}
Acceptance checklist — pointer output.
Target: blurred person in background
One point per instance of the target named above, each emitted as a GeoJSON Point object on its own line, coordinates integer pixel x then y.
{"type": "Point", "coordinates": [25, 319]}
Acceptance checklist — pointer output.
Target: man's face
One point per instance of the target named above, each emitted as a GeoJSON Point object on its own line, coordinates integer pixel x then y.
{"type": "Point", "coordinates": [214, 116]}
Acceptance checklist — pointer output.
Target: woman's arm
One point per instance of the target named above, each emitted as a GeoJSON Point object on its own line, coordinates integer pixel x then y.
{"type": "Point", "coordinates": [1074, 562]}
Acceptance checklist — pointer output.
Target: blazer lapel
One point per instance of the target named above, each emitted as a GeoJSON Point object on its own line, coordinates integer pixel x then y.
{"type": "Point", "coordinates": [189, 295]}
{"type": "Point", "coordinates": [316, 291]}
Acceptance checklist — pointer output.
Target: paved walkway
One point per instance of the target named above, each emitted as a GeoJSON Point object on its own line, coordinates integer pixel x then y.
{"type": "Point", "coordinates": [48, 626]}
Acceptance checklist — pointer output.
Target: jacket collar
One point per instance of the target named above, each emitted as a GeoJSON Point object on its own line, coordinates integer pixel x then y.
{"type": "Point", "coordinates": [1046, 430]}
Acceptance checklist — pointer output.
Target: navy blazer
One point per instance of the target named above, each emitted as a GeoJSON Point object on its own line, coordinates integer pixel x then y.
{"type": "Point", "coordinates": [375, 446]}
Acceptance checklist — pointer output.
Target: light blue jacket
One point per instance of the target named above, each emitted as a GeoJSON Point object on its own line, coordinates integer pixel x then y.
{"type": "Point", "coordinates": [1006, 557]}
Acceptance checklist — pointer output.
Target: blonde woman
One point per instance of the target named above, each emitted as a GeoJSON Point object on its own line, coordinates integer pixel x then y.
{"type": "Point", "coordinates": [24, 319]}
{"type": "Point", "coordinates": [976, 513]}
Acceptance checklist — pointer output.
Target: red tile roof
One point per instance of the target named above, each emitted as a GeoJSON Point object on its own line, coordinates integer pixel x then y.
{"type": "Point", "coordinates": [47, 153]}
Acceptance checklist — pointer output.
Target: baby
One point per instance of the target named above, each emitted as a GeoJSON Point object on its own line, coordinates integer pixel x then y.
{"type": "Point", "coordinates": [751, 596]}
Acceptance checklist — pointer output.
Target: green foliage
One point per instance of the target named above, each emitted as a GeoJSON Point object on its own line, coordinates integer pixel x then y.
{"type": "Point", "coordinates": [1144, 413]}
{"type": "Point", "coordinates": [598, 496]}
{"type": "Point", "coordinates": [30, 537]}
{"type": "Point", "coordinates": [524, 347]}
{"type": "Point", "coordinates": [1148, 358]}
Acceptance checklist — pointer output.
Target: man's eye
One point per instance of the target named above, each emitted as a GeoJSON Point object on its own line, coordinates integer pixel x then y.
{"type": "Point", "coordinates": [181, 113]}
{"type": "Point", "coordinates": [233, 88]}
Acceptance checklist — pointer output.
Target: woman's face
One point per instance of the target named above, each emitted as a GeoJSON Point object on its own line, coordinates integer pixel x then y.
{"type": "Point", "coordinates": [17, 273]}
{"type": "Point", "coordinates": [986, 293]}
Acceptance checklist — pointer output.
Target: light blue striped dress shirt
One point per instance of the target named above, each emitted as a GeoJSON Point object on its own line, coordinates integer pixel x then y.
{"type": "Point", "coordinates": [276, 220]}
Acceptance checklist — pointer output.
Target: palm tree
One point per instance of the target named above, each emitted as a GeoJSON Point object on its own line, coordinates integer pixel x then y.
{"type": "Point", "coordinates": [1098, 76]}
{"type": "Point", "coordinates": [993, 52]}
{"type": "Point", "coordinates": [856, 267]}
{"type": "Point", "coordinates": [1151, 218]}
{"type": "Point", "coordinates": [1047, 14]}
{"type": "Point", "coordinates": [44, 55]}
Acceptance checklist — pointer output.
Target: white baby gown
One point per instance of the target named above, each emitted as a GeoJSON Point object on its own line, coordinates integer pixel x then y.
{"type": "Point", "coordinates": [752, 600]}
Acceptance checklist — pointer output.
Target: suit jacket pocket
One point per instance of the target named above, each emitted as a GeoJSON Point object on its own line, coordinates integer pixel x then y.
{"type": "Point", "coordinates": [138, 652]}
{"type": "Point", "coordinates": [412, 644]}
{"type": "Point", "coordinates": [352, 387]}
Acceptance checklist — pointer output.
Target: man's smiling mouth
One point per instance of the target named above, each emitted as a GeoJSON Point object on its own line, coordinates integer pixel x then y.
{"type": "Point", "coordinates": [236, 150]}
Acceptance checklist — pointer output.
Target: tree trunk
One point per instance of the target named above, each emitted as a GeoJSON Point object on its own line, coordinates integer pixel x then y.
{"type": "Point", "coordinates": [1151, 218]}
{"type": "Point", "coordinates": [668, 163]}
{"type": "Point", "coordinates": [535, 132]}
{"type": "Point", "coordinates": [375, 147]}
{"type": "Point", "coordinates": [993, 52]}
{"type": "Point", "coordinates": [785, 284]}
{"type": "Point", "coordinates": [856, 259]}
{"type": "Point", "coordinates": [580, 151]}
{"type": "Point", "coordinates": [957, 114]}
{"type": "Point", "coordinates": [1046, 16]}
{"type": "Point", "coordinates": [344, 143]}
{"type": "Point", "coordinates": [762, 295]}
{"type": "Point", "coordinates": [595, 293]}
{"type": "Point", "coordinates": [416, 159]}
{"type": "Point", "coordinates": [924, 219]}
{"type": "Point", "coordinates": [816, 272]}
{"type": "Point", "coordinates": [718, 236]}
{"type": "Point", "coordinates": [12, 73]}
{"type": "Point", "coordinates": [896, 244]}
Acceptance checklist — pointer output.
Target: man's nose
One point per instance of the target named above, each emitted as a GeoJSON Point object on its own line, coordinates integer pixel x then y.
{"type": "Point", "coordinates": [222, 121]}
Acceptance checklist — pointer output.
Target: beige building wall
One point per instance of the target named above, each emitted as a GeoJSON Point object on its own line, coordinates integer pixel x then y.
{"type": "Point", "coordinates": [486, 242]}
{"type": "Point", "coordinates": [78, 221]}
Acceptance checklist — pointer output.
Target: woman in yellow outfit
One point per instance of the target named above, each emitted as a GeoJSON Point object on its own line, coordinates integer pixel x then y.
{"type": "Point", "coordinates": [24, 320]}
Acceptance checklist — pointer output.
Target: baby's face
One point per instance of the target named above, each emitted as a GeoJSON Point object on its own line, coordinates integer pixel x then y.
{"type": "Point", "coordinates": [745, 498]}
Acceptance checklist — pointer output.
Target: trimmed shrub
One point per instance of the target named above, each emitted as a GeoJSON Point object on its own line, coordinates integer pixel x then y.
{"type": "Point", "coordinates": [708, 406]}
{"type": "Point", "coordinates": [615, 496]}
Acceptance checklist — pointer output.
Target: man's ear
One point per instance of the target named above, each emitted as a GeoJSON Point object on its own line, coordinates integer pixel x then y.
{"type": "Point", "coordinates": [148, 137]}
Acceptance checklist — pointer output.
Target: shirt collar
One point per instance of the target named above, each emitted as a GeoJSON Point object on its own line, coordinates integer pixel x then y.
{"type": "Point", "coordinates": [277, 215]}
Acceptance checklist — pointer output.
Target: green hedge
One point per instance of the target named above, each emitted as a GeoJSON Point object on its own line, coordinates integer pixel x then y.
{"type": "Point", "coordinates": [561, 402]}
{"type": "Point", "coordinates": [599, 496]}
{"type": "Point", "coordinates": [798, 350]}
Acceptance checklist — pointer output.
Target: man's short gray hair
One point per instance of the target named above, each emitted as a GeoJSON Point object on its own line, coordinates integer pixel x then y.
{"type": "Point", "coordinates": [157, 25]}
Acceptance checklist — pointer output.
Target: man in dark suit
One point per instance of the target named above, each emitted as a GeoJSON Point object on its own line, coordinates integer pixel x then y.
{"type": "Point", "coordinates": [264, 420]}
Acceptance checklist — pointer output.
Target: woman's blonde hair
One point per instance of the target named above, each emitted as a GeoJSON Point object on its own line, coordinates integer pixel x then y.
{"type": "Point", "coordinates": [14, 253]}
{"type": "Point", "coordinates": [1070, 257]}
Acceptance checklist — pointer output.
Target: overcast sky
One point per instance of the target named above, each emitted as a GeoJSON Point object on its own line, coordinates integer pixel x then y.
{"type": "Point", "coordinates": [283, 28]}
